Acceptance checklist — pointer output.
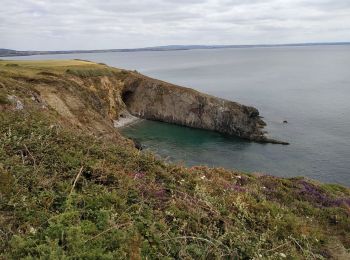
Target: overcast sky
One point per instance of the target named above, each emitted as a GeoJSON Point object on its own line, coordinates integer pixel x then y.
{"type": "Point", "coordinates": [101, 24]}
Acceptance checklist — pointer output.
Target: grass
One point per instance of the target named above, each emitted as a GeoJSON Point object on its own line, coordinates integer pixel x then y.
{"type": "Point", "coordinates": [32, 68]}
{"type": "Point", "coordinates": [4, 99]}
{"type": "Point", "coordinates": [68, 194]}
{"type": "Point", "coordinates": [81, 92]}
{"type": "Point", "coordinates": [46, 63]}
{"type": "Point", "coordinates": [90, 72]}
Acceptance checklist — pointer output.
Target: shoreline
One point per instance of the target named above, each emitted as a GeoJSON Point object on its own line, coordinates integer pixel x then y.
{"type": "Point", "coordinates": [104, 195]}
{"type": "Point", "coordinates": [126, 119]}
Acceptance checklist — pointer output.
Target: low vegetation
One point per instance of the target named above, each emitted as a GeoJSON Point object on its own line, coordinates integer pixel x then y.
{"type": "Point", "coordinates": [68, 194]}
{"type": "Point", "coordinates": [85, 73]}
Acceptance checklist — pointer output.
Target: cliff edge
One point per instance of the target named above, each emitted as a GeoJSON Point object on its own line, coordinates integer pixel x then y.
{"type": "Point", "coordinates": [161, 101]}
{"type": "Point", "coordinates": [96, 97]}
{"type": "Point", "coordinates": [71, 187]}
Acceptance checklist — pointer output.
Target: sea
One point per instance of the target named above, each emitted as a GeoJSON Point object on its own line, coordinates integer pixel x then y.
{"type": "Point", "coordinates": [307, 86]}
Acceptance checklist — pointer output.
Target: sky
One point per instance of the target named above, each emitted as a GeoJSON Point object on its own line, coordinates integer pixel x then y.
{"type": "Point", "coordinates": [105, 24]}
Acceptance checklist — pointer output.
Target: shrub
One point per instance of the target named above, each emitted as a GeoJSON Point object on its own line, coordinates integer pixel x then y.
{"type": "Point", "coordinates": [4, 99]}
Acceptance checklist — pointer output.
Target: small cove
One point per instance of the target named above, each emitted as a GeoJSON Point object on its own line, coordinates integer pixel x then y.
{"type": "Point", "coordinates": [307, 86]}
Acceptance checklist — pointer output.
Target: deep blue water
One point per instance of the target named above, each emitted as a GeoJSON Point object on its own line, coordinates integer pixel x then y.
{"type": "Point", "coordinates": [307, 86]}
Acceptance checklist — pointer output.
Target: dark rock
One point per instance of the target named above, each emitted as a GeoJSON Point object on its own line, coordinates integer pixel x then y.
{"type": "Point", "coordinates": [160, 101]}
{"type": "Point", "coordinates": [137, 144]}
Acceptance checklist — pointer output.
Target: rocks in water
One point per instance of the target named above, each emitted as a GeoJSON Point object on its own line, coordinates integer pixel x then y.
{"type": "Point", "coordinates": [137, 144]}
{"type": "Point", "coordinates": [274, 141]}
{"type": "Point", "coordinates": [160, 101]}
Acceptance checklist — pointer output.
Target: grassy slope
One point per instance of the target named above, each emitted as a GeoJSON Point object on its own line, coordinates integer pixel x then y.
{"type": "Point", "coordinates": [68, 194]}
{"type": "Point", "coordinates": [81, 93]}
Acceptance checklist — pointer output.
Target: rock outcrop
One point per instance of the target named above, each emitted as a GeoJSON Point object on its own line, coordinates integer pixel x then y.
{"type": "Point", "coordinates": [157, 100]}
{"type": "Point", "coordinates": [97, 99]}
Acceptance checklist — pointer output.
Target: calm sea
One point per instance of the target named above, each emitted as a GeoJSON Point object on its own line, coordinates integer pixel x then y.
{"type": "Point", "coordinates": [307, 86]}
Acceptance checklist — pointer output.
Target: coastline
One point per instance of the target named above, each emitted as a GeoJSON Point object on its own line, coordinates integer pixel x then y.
{"type": "Point", "coordinates": [126, 119]}
{"type": "Point", "coordinates": [75, 187]}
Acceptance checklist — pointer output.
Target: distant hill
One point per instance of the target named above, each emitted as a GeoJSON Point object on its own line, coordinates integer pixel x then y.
{"type": "Point", "coordinates": [9, 52]}
{"type": "Point", "coordinates": [6, 51]}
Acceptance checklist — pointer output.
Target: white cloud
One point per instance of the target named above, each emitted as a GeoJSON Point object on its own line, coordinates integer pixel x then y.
{"type": "Point", "coordinates": [95, 24]}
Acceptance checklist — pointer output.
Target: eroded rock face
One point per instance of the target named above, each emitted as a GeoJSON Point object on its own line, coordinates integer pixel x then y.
{"type": "Point", "coordinates": [97, 99]}
{"type": "Point", "coordinates": [157, 100]}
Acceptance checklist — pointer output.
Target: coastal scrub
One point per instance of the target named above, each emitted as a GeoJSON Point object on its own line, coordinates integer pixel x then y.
{"type": "Point", "coordinates": [73, 188]}
{"type": "Point", "coordinates": [68, 195]}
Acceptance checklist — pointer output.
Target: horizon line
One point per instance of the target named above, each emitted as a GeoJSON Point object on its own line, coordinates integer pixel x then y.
{"type": "Point", "coordinates": [172, 47]}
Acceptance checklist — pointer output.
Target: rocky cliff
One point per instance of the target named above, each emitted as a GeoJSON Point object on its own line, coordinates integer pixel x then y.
{"type": "Point", "coordinates": [67, 190]}
{"type": "Point", "coordinates": [157, 100]}
{"type": "Point", "coordinates": [95, 97]}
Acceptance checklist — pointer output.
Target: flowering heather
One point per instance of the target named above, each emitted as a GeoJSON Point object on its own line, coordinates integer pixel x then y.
{"type": "Point", "coordinates": [73, 195]}
{"type": "Point", "coordinates": [139, 175]}
{"type": "Point", "coordinates": [341, 202]}
{"type": "Point", "coordinates": [314, 194]}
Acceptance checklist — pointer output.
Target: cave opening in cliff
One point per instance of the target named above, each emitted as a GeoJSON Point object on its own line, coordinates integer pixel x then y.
{"type": "Point", "coordinates": [127, 96]}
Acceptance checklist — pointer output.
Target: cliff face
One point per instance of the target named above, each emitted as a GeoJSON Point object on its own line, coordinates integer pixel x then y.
{"type": "Point", "coordinates": [157, 100]}
{"type": "Point", "coordinates": [93, 97]}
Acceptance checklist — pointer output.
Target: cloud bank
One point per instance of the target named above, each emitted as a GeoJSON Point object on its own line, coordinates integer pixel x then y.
{"type": "Point", "coordinates": [96, 24]}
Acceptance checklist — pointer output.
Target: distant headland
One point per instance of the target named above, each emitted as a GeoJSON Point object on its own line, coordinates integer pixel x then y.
{"type": "Point", "coordinates": [10, 52]}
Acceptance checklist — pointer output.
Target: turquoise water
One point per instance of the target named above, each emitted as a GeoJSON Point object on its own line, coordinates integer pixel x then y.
{"type": "Point", "coordinates": [201, 146]}
{"type": "Point", "coordinates": [307, 86]}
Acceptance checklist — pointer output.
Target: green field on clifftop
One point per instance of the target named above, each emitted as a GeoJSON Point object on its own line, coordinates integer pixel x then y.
{"type": "Point", "coordinates": [67, 193]}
